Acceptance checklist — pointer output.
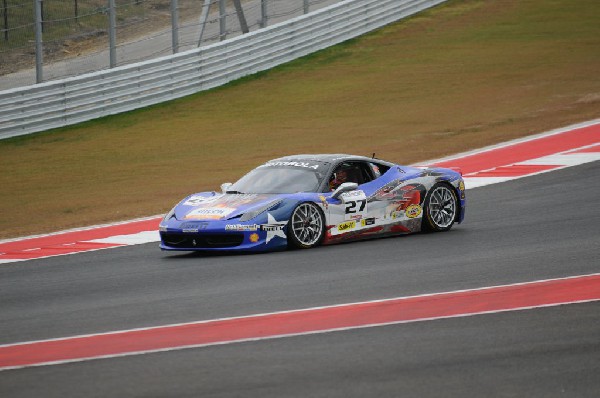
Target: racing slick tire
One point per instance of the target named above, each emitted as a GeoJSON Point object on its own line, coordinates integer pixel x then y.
{"type": "Point", "coordinates": [306, 227]}
{"type": "Point", "coordinates": [440, 208]}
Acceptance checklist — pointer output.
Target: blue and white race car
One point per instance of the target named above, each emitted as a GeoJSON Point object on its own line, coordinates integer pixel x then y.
{"type": "Point", "coordinates": [303, 201]}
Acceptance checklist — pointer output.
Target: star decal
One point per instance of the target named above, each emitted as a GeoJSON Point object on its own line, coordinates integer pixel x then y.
{"type": "Point", "coordinates": [274, 228]}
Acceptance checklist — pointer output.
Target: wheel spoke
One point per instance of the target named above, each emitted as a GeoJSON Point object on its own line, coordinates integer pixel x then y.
{"type": "Point", "coordinates": [442, 207]}
{"type": "Point", "coordinates": [307, 224]}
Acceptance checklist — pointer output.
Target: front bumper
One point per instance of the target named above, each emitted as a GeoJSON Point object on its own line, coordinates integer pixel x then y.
{"type": "Point", "coordinates": [217, 236]}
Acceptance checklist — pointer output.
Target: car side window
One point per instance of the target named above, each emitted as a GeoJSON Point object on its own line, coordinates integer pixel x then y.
{"type": "Point", "coordinates": [355, 171]}
{"type": "Point", "coordinates": [378, 169]}
{"type": "Point", "coordinates": [366, 172]}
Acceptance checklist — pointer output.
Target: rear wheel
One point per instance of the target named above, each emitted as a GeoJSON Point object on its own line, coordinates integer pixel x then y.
{"type": "Point", "coordinates": [440, 207]}
{"type": "Point", "coordinates": [306, 227]}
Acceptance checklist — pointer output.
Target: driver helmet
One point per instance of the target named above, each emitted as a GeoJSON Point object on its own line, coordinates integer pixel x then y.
{"type": "Point", "coordinates": [339, 177]}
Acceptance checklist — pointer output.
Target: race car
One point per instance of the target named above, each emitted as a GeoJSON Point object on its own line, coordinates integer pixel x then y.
{"type": "Point", "coordinates": [304, 201]}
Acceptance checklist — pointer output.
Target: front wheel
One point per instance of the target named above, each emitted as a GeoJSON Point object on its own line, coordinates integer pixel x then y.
{"type": "Point", "coordinates": [306, 227]}
{"type": "Point", "coordinates": [440, 207]}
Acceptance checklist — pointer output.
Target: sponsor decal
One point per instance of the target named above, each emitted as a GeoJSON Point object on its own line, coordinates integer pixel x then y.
{"type": "Point", "coordinates": [397, 214]}
{"type": "Point", "coordinates": [234, 200]}
{"type": "Point", "coordinates": [241, 227]}
{"type": "Point", "coordinates": [352, 194]}
{"type": "Point", "coordinates": [346, 226]}
{"type": "Point", "coordinates": [210, 212]}
{"type": "Point", "coordinates": [273, 228]}
{"type": "Point", "coordinates": [355, 204]}
{"type": "Point", "coordinates": [367, 221]}
{"type": "Point", "coordinates": [292, 164]}
{"type": "Point", "coordinates": [413, 211]}
{"type": "Point", "coordinates": [228, 200]}
{"type": "Point", "coordinates": [324, 201]}
{"type": "Point", "coordinates": [254, 238]}
{"type": "Point", "coordinates": [193, 226]}
{"type": "Point", "coordinates": [461, 187]}
{"type": "Point", "coordinates": [197, 200]}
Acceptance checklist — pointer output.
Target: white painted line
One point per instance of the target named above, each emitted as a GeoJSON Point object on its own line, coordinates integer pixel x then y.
{"type": "Point", "coordinates": [92, 227]}
{"type": "Point", "coordinates": [475, 182]}
{"type": "Point", "coordinates": [568, 160]}
{"type": "Point", "coordinates": [132, 239]}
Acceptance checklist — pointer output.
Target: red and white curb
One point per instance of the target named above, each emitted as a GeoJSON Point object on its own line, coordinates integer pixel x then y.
{"type": "Point", "coordinates": [133, 232]}
{"type": "Point", "coordinates": [554, 150]}
{"type": "Point", "coordinates": [495, 175]}
{"type": "Point", "coordinates": [427, 307]}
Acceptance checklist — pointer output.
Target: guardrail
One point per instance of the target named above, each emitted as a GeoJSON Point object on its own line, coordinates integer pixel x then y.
{"type": "Point", "coordinates": [69, 101]}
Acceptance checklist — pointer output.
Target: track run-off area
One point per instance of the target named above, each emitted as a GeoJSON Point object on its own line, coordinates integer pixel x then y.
{"type": "Point", "coordinates": [504, 304]}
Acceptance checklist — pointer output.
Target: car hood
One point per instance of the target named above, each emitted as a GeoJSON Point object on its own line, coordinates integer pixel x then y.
{"type": "Point", "coordinates": [217, 206]}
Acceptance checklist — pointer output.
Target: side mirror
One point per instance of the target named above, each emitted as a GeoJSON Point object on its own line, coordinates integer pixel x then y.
{"type": "Point", "coordinates": [225, 186]}
{"type": "Point", "coordinates": [345, 187]}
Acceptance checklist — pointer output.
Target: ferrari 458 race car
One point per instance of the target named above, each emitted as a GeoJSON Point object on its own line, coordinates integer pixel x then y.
{"type": "Point", "coordinates": [307, 200]}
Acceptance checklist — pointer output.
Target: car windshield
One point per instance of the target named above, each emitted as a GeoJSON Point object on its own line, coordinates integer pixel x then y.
{"type": "Point", "coordinates": [278, 180]}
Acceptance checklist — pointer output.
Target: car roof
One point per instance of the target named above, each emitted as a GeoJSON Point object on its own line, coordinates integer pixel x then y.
{"type": "Point", "coordinates": [326, 158]}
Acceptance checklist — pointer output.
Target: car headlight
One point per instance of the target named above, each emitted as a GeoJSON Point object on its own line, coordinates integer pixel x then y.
{"type": "Point", "coordinates": [254, 213]}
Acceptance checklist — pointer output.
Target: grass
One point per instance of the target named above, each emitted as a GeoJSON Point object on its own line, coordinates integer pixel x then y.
{"type": "Point", "coordinates": [59, 16]}
{"type": "Point", "coordinates": [460, 76]}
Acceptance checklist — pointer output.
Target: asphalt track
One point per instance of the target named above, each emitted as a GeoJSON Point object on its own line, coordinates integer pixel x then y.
{"type": "Point", "coordinates": [535, 228]}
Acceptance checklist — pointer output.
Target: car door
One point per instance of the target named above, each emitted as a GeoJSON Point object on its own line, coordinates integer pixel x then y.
{"type": "Point", "coordinates": [349, 211]}
{"type": "Point", "coordinates": [383, 201]}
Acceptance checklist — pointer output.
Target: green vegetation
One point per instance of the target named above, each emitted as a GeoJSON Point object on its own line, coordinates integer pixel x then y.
{"type": "Point", "coordinates": [62, 18]}
{"type": "Point", "coordinates": [460, 76]}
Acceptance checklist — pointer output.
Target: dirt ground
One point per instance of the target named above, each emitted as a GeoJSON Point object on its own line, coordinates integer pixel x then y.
{"type": "Point", "coordinates": [461, 76]}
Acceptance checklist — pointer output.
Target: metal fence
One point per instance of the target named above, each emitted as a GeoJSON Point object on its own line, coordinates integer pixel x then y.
{"type": "Point", "coordinates": [52, 39]}
{"type": "Point", "coordinates": [76, 99]}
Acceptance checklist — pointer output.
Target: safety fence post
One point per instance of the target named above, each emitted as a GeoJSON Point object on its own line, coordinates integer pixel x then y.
{"type": "Point", "coordinates": [112, 33]}
{"type": "Point", "coordinates": [264, 19]}
{"type": "Point", "coordinates": [222, 20]}
{"type": "Point", "coordinates": [175, 26]}
{"type": "Point", "coordinates": [39, 50]}
{"type": "Point", "coordinates": [5, 19]}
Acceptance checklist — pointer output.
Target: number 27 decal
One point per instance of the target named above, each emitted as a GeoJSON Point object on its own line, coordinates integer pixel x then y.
{"type": "Point", "coordinates": [351, 206]}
